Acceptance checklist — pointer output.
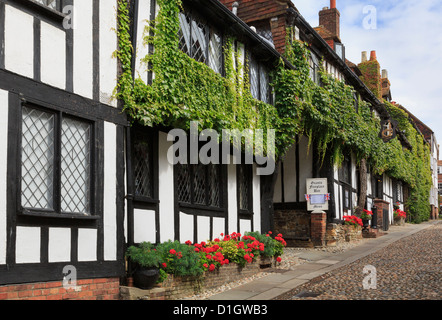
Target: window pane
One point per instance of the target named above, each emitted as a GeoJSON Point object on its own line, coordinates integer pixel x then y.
{"type": "Point", "coordinates": [214, 189]}
{"type": "Point", "coordinates": [199, 184]}
{"type": "Point", "coordinates": [199, 41]}
{"type": "Point", "coordinates": [49, 3]}
{"type": "Point", "coordinates": [142, 150]}
{"type": "Point", "coordinates": [254, 80]}
{"type": "Point", "coordinates": [184, 33]}
{"type": "Point", "coordinates": [37, 159]}
{"type": "Point", "coordinates": [244, 187]}
{"type": "Point", "coordinates": [183, 183]}
{"type": "Point", "coordinates": [264, 84]}
{"type": "Point", "coordinates": [75, 166]}
{"type": "Point", "coordinates": [215, 52]}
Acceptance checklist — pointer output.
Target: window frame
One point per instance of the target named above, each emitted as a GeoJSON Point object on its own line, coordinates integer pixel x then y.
{"type": "Point", "coordinates": [261, 69]}
{"type": "Point", "coordinates": [209, 30]}
{"type": "Point", "coordinates": [152, 135]}
{"type": "Point", "coordinates": [57, 212]}
{"type": "Point", "coordinates": [248, 174]}
{"type": "Point", "coordinates": [222, 175]}
{"type": "Point", "coordinates": [345, 182]}
{"type": "Point", "coordinates": [54, 16]}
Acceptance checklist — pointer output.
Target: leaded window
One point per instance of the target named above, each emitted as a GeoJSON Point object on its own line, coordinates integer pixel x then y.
{"type": "Point", "coordinates": [56, 162]}
{"type": "Point", "coordinates": [244, 185]}
{"type": "Point", "coordinates": [314, 68]}
{"type": "Point", "coordinates": [200, 42]}
{"type": "Point", "coordinates": [199, 185]}
{"type": "Point", "coordinates": [143, 160]}
{"type": "Point", "coordinates": [259, 81]}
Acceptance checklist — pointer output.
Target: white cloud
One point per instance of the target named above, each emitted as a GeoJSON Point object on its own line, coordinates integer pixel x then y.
{"type": "Point", "coordinates": [408, 42]}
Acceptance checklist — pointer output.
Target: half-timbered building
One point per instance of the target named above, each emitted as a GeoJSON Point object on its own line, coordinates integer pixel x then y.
{"type": "Point", "coordinates": [62, 151]}
{"type": "Point", "coordinates": [272, 19]}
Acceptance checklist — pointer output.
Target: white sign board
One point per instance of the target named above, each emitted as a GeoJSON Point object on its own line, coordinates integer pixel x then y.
{"type": "Point", "coordinates": [317, 195]}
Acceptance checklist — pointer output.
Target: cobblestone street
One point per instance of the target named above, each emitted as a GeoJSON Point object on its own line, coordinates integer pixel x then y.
{"type": "Point", "coordinates": [409, 269]}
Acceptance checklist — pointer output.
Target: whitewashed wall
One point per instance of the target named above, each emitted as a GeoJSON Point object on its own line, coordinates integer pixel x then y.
{"type": "Point", "coordinates": [3, 176]}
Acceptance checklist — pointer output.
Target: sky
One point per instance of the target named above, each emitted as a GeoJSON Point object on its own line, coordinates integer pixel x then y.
{"type": "Point", "coordinates": [407, 37]}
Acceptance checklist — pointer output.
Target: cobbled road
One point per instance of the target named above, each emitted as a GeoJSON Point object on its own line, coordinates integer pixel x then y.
{"type": "Point", "coordinates": [409, 269]}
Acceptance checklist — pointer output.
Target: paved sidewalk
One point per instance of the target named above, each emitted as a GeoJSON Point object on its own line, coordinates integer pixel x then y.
{"type": "Point", "coordinates": [319, 263]}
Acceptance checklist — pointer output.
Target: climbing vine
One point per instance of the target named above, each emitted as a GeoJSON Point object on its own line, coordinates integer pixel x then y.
{"type": "Point", "coordinates": [185, 90]}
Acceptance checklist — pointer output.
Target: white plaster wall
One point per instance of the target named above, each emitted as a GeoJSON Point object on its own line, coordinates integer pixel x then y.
{"type": "Point", "coordinates": [290, 175]}
{"type": "Point", "coordinates": [166, 190]}
{"type": "Point", "coordinates": [232, 198]}
{"type": "Point", "coordinates": [19, 42]}
{"type": "Point", "coordinates": [142, 49]}
{"type": "Point", "coordinates": [83, 54]}
{"type": "Point", "coordinates": [3, 171]}
{"type": "Point", "coordinates": [144, 226]}
{"type": "Point", "coordinates": [87, 245]}
{"type": "Point", "coordinates": [218, 226]}
{"type": "Point", "coordinates": [186, 227]}
{"type": "Point", "coordinates": [245, 226]}
{"type": "Point", "coordinates": [108, 44]}
{"type": "Point", "coordinates": [110, 192]}
{"type": "Point", "coordinates": [59, 245]}
{"type": "Point", "coordinates": [203, 232]}
{"type": "Point", "coordinates": [277, 195]}
{"type": "Point", "coordinates": [27, 245]}
{"type": "Point", "coordinates": [305, 166]}
{"type": "Point", "coordinates": [53, 55]}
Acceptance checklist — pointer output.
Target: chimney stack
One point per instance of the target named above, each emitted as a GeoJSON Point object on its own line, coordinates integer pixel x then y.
{"type": "Point", "coordinates": [330, 19]}
{"type": "Point", "coordinates": [364, 56]}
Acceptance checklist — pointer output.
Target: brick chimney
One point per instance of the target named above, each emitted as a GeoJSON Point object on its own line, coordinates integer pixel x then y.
{"type": "Point", "coordinates": [329, 18]}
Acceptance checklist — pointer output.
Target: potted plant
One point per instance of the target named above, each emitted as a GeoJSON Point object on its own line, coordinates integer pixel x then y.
{"type": "Point", "coordinates": [146, 260]}
{"type": "Point", "coordinates": [399, 217]}
{"type": "Point", "coordinates": [366, 217]}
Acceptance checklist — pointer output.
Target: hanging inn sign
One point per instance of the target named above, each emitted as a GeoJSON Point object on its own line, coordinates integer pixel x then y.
{"type": "Point", "coordinates": [388, 129]}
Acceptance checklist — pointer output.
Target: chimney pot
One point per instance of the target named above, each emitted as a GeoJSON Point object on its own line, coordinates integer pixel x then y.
{"type": "Point", "coordinates": [384, 74]}
{"type": "Point", "coordinates": [373, 55]}
{"type": "Point", "coordinates": [364, 56]}
{"type": "Point", "coordinates": [332, 4]}
{"type": "Point", "coordinates": [235, 6]}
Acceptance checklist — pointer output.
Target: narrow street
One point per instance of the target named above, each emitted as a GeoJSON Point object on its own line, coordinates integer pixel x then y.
{"type": "Point", "coordinates": [408, 269]}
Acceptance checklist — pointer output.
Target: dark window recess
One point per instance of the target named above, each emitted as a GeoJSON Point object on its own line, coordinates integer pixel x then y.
{"type": "Point", "coordinates": [259, 81]}
{"type": "Point", "coordinates": [345, 179]}
{"type": "Point", "coordinates": [56, 163]}
{"type": "Point", "coordinates": [199, 185]}
{"type": "Point", "coordinates": [245, 181]}
{"type": "Point", "coordinates": [314, 69]}
{"type": "Point", "coordinates": [143, 162]}
{"type": "Point", "coordinates": [200, 42]}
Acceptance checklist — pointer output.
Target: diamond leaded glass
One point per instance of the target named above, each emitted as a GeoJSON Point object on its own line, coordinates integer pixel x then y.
{"type": "Point", "coordinates": [48, 3]}
{"type": "Point", "coordinates": [199, 41]}
{"type": "Point", "coordinates": [244, 187]}
{"type": "Point", "coordinates": [37, 179]}
{"type": "Point", "coordinates": [254, 78]}
{"type": "Point", "coordinates": [143, 164]}
{"type": "Point", "coordinates": [75, 166]}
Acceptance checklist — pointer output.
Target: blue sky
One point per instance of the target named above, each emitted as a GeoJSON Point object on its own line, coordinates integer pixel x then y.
{"type": "Point", "coordinates": [408, 43]}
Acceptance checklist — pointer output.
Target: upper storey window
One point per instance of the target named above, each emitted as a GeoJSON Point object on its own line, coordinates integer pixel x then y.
{"type": "Point", "coordinates": [201, 42]}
